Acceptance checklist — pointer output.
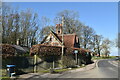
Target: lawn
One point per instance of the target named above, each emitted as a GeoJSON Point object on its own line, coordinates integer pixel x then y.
{"type": "Point", "coordinates": [110, 57]}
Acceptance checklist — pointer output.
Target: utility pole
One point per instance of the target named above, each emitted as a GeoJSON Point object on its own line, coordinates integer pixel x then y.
{"type": "Point", "coordinates": [53, 64]}
{"type": "Point", "coordinates": [76, 58]}
{"type": "Point", "coordinates": [62, 40]}
{"type": "Point", "coordinates": [35, 61]}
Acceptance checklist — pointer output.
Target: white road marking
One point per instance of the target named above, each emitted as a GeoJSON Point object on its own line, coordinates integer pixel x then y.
{"type": "Point", "coordinates": [112, 69]}
{"type": "Point", "coordinates": [113, 63]}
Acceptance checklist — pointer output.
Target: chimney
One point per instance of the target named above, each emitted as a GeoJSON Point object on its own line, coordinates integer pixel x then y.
{"type": "Point", "coordinates": [58, 28]}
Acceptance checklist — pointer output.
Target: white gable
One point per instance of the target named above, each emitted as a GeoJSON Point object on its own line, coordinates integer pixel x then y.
{"type": "Point", "coordinates": [51, 40]}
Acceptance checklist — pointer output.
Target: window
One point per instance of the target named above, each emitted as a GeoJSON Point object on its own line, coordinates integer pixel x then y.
{"type": "Point", "coordinates": [50, 39]}
{"type": "Point", "coordinates": [58, 31]}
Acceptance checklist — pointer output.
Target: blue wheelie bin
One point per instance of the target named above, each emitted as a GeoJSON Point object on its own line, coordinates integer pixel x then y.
{"type": "Point", "coordinates": [10, 70]}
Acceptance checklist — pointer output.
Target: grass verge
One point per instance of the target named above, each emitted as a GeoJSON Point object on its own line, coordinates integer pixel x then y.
{"type": "Point", "coordinates": [97, 58]}
{"type": "Point", "coordinates": [61, 70]}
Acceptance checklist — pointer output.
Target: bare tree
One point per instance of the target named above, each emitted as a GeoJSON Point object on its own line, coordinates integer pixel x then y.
{"type": "Point", "coordinates": [21, 25]}
{"type": "Point", "coordinates": [45, 27]}
{"type": "Point", "coordinates": [7, 23]}
{"type": "Point", "coordinates": [29, 27]}
{"type": "Point", "coordinates": [97, 44]}
{"type": "Point", "coordinates": [106, 47]}
{"type": "Point", "coordinates": [44, 21]}
{"type": "Point", "coordinates": [87, 36]}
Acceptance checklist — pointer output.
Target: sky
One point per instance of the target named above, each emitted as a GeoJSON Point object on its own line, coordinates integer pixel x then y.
{"type": "Point", "coordinates": [60, 0]}
{"type": "Point", "coordinates": [101, 16]}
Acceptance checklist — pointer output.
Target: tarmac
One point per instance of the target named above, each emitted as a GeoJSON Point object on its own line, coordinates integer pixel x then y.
{"type": "Point", "coordinates": [49, 75]}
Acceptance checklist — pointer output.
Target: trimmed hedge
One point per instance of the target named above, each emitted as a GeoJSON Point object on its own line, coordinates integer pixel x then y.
{"type": "Point", "coordinates": [7, 50]}
{"type": "Point", "coordinates": [44, 50]}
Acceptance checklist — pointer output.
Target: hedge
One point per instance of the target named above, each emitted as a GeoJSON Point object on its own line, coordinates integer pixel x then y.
{"type": "Point", "coordinates": [44, 50]}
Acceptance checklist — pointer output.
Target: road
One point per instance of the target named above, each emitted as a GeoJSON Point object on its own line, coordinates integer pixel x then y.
{"type": "Point", "coordinates": [104, 69]}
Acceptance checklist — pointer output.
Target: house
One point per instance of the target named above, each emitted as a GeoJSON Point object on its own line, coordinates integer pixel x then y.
{"type": "Point", "coordinates": [55, 39]}
{"type": "Point", "coordinates": [50, 48]}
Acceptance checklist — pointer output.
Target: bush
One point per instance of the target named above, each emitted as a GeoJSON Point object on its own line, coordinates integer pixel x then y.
{"type": "Point", "coordinates": [68, 61]}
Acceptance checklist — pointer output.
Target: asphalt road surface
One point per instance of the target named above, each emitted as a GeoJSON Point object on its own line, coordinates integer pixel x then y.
{"type": "Point", "coordinates": [105, 70]}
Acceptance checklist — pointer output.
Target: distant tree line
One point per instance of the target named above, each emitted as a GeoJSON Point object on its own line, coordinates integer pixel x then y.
{"type": "Point", "coordinates": [25, 27]}
{"type": "Point", "coordinates": [19, 26]}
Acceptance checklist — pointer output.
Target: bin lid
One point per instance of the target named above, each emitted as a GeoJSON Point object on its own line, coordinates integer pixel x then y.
{"type": "Point", "coordinates": [10, 65]}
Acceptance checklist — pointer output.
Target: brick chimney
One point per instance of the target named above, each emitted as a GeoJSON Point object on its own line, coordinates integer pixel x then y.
{"type": "Point", "coordinates": [58, 28]}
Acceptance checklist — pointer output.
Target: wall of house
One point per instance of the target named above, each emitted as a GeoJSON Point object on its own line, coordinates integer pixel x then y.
{"type": "Point", "coordinates": [51, 40]}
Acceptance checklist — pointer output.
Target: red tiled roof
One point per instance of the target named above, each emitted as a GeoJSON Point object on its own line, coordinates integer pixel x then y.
{"type": "Point", "coordinates": [68, 39]}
